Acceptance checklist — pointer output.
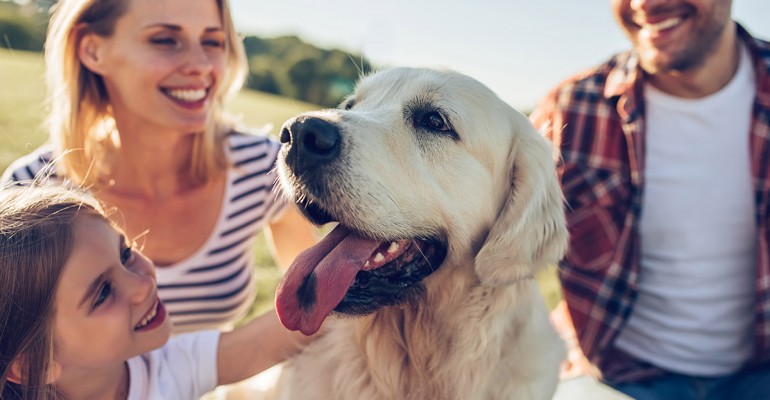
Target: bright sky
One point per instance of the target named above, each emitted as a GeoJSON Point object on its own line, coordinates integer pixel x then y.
{"type": "Point", "coordinates": [519, 48]}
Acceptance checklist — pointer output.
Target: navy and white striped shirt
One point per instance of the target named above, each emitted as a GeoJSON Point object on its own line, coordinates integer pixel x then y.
{"type": "Point", "coordinates": [214, 286]}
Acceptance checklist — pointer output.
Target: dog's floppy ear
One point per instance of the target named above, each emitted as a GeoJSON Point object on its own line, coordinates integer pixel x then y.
{"type": "Point", "coordinates": [530, 230]}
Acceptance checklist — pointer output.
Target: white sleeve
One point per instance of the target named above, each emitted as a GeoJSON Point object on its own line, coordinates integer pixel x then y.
{"type": "Point", "coordinates": [185, 368]}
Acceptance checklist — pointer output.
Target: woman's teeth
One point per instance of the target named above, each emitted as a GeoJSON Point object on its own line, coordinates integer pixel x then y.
{"type": "Point", "coordinates": [148, 317]}
{"type": "Point", "coordinates": [187, 94]}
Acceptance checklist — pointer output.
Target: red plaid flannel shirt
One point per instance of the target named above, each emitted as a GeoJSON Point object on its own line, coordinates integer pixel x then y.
{"type": "Point", "coordinates": [597, 121]}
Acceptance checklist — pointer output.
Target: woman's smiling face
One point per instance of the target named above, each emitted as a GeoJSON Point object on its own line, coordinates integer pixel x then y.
{"type": "Point", "coordinates": [162, 64]}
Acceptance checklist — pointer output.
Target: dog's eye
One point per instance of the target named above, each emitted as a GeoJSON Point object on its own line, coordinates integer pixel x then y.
{"type": "Point", "coordinates": [434, 121]}
{"type": "Point", "coordinates": [348, 104]}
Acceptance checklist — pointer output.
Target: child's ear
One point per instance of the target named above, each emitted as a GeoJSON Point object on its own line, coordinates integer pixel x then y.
{"type": "Point", "coordinates": [15, 374]}
{"type": "Point", "coordinates": [91, 52]}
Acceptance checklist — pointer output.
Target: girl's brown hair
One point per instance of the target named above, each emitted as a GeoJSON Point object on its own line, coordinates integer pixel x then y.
{"type": "Point", "coordinates": [80, 121]}
{"type": "Point", "coordinates": [36, 239]}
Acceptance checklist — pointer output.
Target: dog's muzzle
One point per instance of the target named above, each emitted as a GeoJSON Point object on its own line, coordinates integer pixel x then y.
{"type": "Point", "coordinates": [349, 270]}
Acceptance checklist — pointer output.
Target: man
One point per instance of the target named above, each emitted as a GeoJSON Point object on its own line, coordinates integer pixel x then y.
{"type": "Point", "coordinates": [665, 165]}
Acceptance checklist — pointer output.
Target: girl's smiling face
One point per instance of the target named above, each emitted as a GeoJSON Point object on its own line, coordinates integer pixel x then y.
{"type": "Point", "coordinates": [107, 308]}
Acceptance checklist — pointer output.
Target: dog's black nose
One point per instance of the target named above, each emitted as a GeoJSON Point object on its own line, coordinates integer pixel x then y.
{"type": "Point", "coordinates": [313, 141]}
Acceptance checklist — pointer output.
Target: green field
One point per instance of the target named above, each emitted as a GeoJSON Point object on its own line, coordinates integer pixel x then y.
{"type": "Point", "coordinates": [21, 104]}
{"type": "Point", "coordinates": [22, 114]}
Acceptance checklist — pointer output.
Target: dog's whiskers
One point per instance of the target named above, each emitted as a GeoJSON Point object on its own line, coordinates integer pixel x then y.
{"type": "Point", "coordinates": [359, 68]}
{"type": "Point", "coordinates": [414, 243]}
{"type": "Point", "coordinates": [387, 194]}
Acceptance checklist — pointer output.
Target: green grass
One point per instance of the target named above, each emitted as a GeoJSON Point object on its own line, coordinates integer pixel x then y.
{"type": "Point", "coordinates": [22, 113]}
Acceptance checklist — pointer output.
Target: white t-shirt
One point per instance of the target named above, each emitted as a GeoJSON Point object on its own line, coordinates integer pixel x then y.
{"type": "Point", "coordinates": [184, 369]}
{"type": "Point", "coordinates": [694, 310]}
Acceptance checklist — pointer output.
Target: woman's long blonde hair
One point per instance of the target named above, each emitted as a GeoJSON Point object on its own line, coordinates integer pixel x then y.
{"type": "Point", "coordinates": [80, 120]}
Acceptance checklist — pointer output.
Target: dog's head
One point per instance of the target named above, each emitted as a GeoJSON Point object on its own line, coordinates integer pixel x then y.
{"type": "Point", "coordinates": [421, 168]}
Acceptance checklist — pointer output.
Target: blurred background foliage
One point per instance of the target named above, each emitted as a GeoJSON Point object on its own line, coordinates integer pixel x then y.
{"type": "Point", "coordinates": [286, 65]}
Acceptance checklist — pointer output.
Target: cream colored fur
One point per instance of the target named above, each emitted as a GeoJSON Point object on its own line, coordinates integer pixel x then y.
{"type": "Point", "coordinates": [481, 329]}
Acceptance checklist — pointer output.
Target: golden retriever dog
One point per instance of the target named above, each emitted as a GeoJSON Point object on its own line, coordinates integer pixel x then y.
{"type": "Point", "coordinates": [447, 203]}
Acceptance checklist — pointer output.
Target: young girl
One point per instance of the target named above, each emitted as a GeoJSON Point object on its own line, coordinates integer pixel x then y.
{"type": "Point", "coordinates": [81, 318]}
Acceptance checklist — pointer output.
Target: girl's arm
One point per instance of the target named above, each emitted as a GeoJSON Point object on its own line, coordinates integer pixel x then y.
{"type": "Point", "coordinates": [576, 364]}
{"type": "Point", "coordinates": [255, 347]}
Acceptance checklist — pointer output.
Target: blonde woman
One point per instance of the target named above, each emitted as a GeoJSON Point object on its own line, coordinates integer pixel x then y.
{"type": "Point", "coordinates": [136, 91]}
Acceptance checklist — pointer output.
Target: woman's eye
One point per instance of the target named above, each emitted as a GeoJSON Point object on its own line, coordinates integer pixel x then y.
{"type": "Point", "coordinates": [104, 293]}
{"type": "Point", "coordinates": [163, 41]}
{"type": "Point", "coordinates": [220, 44]}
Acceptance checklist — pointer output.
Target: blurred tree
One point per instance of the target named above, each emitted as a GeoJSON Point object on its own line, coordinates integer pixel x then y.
{"type": "Point", "coordinates": [301, 74]}
{"type": "Point", "coordinates": [262, 74]}
{"type": "Point", "coordinates": [255, 45]}
{"type": "Point", "coordinates": [22, 26]}
{"type": "Point", "coordinates": [341, 71]}
{"type": "Point", "coordinates": [291, 67]}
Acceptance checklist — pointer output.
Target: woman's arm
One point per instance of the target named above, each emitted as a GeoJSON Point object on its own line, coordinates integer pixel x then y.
{"type": "Point", "coordinates": [289, 236]}
{"type": "Point", "coordinates": [255, 347]}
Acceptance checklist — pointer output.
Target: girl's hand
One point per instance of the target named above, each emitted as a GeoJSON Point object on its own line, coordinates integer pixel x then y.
{"type": "Point", "coordinates": [576, 364]}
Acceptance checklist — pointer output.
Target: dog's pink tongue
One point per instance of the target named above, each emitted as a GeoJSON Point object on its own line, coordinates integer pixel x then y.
{"type": "Point", "coordinates": [333, 263]}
